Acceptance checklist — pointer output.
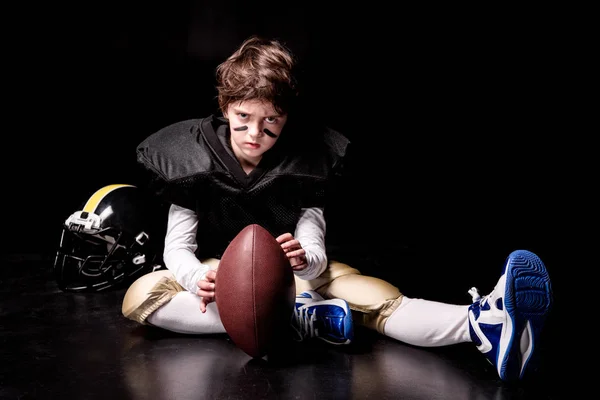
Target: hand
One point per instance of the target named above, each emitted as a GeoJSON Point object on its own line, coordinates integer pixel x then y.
{"type": "Point", "coordinates": [293, 250]}
{"type": "Point", "coordinates": [207, 289]}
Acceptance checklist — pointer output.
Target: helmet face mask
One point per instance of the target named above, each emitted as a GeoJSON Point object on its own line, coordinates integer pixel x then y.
{"type": "Point", "coordinates": [99, 250]}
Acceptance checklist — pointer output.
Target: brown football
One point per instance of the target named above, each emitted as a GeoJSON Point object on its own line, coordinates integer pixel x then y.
{"type": "Point", "coordinates": [255, 291]}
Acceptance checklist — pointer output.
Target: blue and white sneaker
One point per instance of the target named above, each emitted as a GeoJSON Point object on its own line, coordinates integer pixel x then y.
{"type": "Point", "coordinates": [329, 320]}
{"type": "Point", "coordinates": [506, 324]}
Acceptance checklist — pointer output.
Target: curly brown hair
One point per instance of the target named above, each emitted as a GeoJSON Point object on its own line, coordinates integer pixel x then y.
{"type": "Point", "coordinates": [260, 69]}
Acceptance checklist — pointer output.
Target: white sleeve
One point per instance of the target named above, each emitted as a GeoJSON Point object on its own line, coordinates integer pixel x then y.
{"type": "Point", "coordinates": [180, 246]}
{"type": "Point", "coordinates": [310, 232]}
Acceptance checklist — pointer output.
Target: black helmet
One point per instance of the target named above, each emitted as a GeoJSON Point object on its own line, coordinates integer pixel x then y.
{"type": "Point", "coordinates": [114, 238]}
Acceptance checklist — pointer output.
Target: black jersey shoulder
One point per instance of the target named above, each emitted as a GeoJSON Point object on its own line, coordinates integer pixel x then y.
{"type": "Point", "coordinates": [176, 151]}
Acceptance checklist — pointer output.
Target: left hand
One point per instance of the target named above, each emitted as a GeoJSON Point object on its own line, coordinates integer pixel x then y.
{"type": "Point", "coordinates": [293, 250]}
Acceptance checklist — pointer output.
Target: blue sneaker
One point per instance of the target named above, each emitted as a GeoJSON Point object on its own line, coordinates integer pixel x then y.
{"type": "Point", "coordinates": [506, 324]}
{"type": "Point", "coordinates": [328, 320]}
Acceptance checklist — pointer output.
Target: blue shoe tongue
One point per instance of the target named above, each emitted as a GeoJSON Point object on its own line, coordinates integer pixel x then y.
{"type": "Point", "coordinates": [476, 308]}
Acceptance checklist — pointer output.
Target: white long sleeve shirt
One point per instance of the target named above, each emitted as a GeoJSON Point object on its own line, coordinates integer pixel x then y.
{"type": "Point", "coordinates": [180, 245]}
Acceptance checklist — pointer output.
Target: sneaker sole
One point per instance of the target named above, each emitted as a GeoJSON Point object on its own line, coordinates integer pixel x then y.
{"type": "Point", "coordinates": [527, 301]}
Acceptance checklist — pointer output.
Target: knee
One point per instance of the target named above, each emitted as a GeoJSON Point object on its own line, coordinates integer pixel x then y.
{"type": "Point", "coordinates": [372, 300]}
{"type": "Point", "coordinates": [148, 293]}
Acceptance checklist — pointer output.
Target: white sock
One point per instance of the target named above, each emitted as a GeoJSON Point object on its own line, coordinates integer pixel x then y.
{"type": "Point", "coordinates": [428, 323]}
{"type": "Point", "coordinates": [182, 315]}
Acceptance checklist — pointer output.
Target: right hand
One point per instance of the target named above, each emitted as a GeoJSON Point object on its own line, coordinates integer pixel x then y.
{"type": "Point", "coordinates": [206, 289]}
{"type": "Point", "coordinates": [293, 251]}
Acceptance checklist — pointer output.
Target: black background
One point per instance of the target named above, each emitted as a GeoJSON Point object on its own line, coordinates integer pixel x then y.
{"type": "Point", "coordinates": [457, 118]}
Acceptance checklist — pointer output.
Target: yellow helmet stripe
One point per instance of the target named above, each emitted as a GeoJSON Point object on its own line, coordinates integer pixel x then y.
{"type": "Point", "coordinates": [97, 197]}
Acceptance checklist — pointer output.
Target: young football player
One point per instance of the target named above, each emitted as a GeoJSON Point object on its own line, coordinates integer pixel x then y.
{"type": "Point", "coordinates": [261, 163]}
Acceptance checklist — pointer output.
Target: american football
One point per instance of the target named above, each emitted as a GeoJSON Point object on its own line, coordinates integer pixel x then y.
{"type": "Point", "coordinates": [255, 291]}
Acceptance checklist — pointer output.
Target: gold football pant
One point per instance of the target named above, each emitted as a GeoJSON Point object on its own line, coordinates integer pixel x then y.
{"type": "Point", "coordinates": [372, 300]}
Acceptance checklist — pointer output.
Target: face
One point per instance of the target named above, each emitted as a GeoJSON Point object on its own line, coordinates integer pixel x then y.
{"type": "Point", "coordinates": [255, 127]}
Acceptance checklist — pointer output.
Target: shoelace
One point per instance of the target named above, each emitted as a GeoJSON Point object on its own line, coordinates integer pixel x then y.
{"type": "Point", "coordinates": [305, 323]}
{"type": "Point", "coordinates": [474, 294]}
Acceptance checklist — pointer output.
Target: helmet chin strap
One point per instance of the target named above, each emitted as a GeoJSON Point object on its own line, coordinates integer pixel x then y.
{"type": "Point", "coordinates": [141, 239]}
{"type": "Point", "coordinates": [139, 259]}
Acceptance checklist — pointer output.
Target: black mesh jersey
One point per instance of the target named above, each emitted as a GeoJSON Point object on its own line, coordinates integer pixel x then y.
{"type": "Point", "coordinates": [191, 164]}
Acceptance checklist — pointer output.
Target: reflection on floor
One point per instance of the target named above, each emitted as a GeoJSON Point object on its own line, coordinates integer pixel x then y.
{"type": "Point", "coordinates": [78, 346]}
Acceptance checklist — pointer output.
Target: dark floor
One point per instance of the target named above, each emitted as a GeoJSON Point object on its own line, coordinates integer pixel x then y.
{"type": "Point", "coordinates": [56, 345]}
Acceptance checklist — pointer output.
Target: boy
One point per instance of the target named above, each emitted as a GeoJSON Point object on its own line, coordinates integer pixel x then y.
{"type": "Point", "coordinates": [261, 163]}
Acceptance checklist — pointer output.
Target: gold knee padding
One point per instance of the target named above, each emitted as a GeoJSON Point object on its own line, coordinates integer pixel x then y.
{"type": "Point", "coordinates": [373, 300]}
{"type": "Point", "coordinates": [148, 293]}
{"type": "Point", "coordinates": [151, 291]}
{"type": "Point", "coordinates": [378, 316]}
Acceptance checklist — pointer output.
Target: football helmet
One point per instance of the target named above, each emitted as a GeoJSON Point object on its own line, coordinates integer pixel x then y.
{"type": "Point", "coordinates": [114, 238]}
